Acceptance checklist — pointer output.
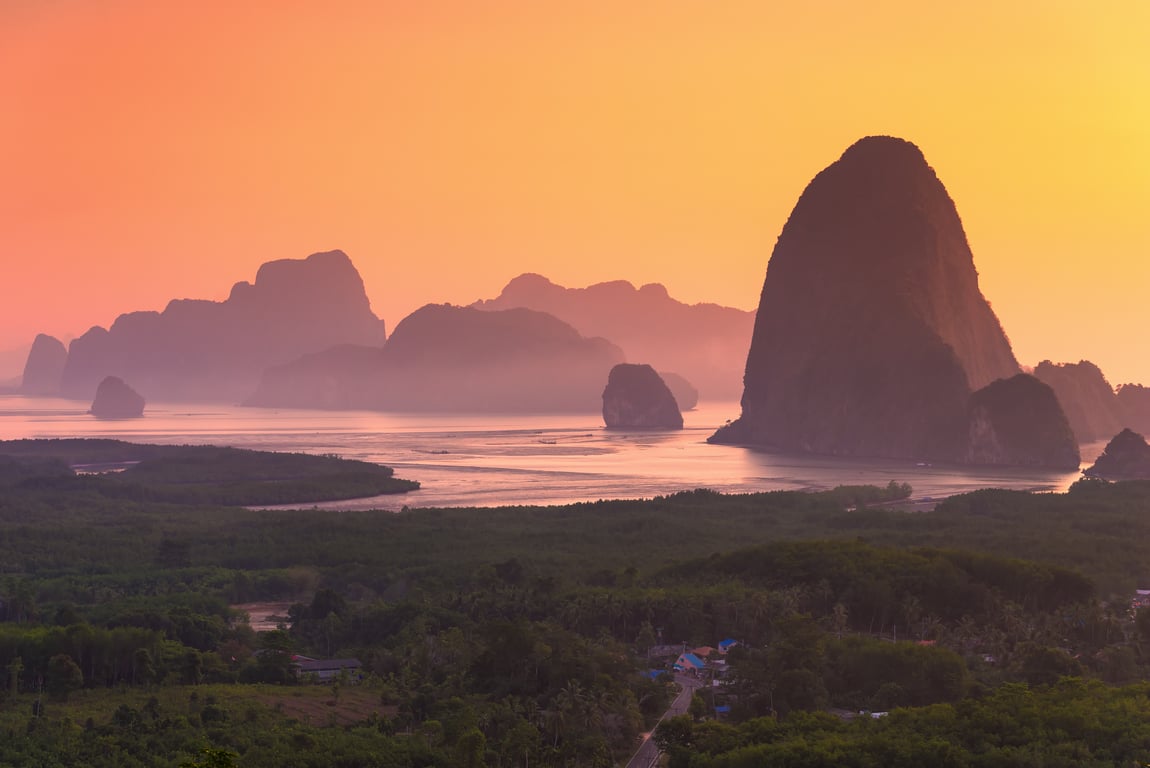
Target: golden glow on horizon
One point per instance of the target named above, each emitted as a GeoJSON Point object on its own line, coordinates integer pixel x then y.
{"type": "Point", "coordinates": [154, 151]}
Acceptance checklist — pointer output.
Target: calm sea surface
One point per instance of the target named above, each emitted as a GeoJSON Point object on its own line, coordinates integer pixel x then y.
{"type": "Point", "coordinates": [465, 460]}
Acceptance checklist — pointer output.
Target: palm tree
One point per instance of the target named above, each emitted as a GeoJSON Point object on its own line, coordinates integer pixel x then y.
{"type": "Point", "coordinates": [911, 610]}
{"type": "Point", "coordinates": [759, 609]}
{"type": "Point", "coordinates": [967, 633]}
{"type": "Point", "coordinates": [930, 628]}
{"type": "Point", "coordinates": [789, 599]}
{"type": "Point", "coordinates": [839, 619]}
{"type": "Point", "coordinates": [569, 703]}
{"type": "Point", "coordinates": [825, 592]}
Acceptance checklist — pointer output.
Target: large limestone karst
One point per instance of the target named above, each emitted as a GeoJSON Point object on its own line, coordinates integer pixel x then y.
{"type": "Point", "coordinates": [448, 358]}
{"type": "Point", "coordinates": [637, 397]}
{"type": "Point", "coordinates": [871, 333]}
{"type": "Point", "coordinates": [216, 351]}
{"type": "Point", "coordinates": [1087, 398]}
{"type": "Point", "coordinates": [705, 343]}
{"type": "Point", "coordinates": [45, 366]}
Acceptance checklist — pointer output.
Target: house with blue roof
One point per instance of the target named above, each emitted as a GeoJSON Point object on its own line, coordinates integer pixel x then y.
{"type": "Point", "coordinates": [689, 662]}
{"type": "Point", "coordinates": [728, 644]}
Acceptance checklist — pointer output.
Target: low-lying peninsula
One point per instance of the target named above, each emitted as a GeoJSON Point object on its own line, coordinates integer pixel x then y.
{"type": "Point", "coordinates": [194, 474]}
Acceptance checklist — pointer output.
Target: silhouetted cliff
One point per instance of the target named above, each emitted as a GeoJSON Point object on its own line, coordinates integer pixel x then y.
{"type": "Point", "coordinates": [1086, 397]}
{"type": "Point", "coordinates": [206, 350]}
{"type": "Point", "coordinates": [447, 358]}
{"type": "Point", "coordinates": [636, 397]}
{"type": "Point", "coordinates": [1019, 421]}
{"type": "Point", "coordinates": [706, 343]}
{"type": "Point", "coordinates": [1134, 402]}
{"type": "Point", "coordinates": [45, 366]}
{"type": "Point", "coordinates": [442, 357]}
{"type": "Point", "coordinates": [1126, 457]}
{"type": "Point", "coordinates": [685, 393]}
{"type": "Point", "coordinates": [116, 400]}
{"type": "Point", "coordinates": [871, 332]}
{"type": "Point", "coordinates": [340, 378]}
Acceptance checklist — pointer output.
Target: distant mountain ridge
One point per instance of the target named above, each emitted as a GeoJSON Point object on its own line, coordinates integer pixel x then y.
{"type": "Point", "coordinates": [704, 343]}
{"type": "Point", "coordinates": [216, 351]}
{"type": "Point", "coordinates": [872, 336]}
{"type": "Point", "coordinates": [453, 359]}
{"type": "Point", "coordinates": [1134, 399]}
{"type": "Point", "coordinates": [303, 335]}
{"type": "Point", "coordinates": [1089, 401]}
{"type": "Point", "coordinates": [1096, 410]}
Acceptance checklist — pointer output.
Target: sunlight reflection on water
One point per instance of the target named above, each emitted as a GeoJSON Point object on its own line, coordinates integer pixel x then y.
{"type": "Point", "coordinates": [491, 460]}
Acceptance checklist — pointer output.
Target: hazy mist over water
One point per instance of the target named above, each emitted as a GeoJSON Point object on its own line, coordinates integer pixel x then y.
{"type": "Point", "coordinates": [465, 460]}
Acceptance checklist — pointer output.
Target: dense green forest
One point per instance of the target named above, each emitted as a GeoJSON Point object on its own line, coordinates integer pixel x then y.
{"type": "Point", "coordinates": [995, 630]}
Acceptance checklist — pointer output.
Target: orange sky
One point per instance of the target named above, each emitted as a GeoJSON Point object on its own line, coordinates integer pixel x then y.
{"type": "Point", "coordinates": [153, 150]}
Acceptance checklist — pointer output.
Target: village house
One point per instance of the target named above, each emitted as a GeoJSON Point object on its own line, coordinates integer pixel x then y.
{"type": "Point", "coordinates": [326, 670]}
{"type": "Point", "coordinates": [689, 663]}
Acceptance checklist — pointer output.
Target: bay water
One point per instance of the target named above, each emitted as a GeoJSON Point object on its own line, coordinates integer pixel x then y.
{"type": "Point", "coordinates": [514, 459]}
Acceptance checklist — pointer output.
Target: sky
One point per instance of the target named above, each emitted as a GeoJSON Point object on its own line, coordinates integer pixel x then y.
{"type": "Point", "coordinates": [153, 150]}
